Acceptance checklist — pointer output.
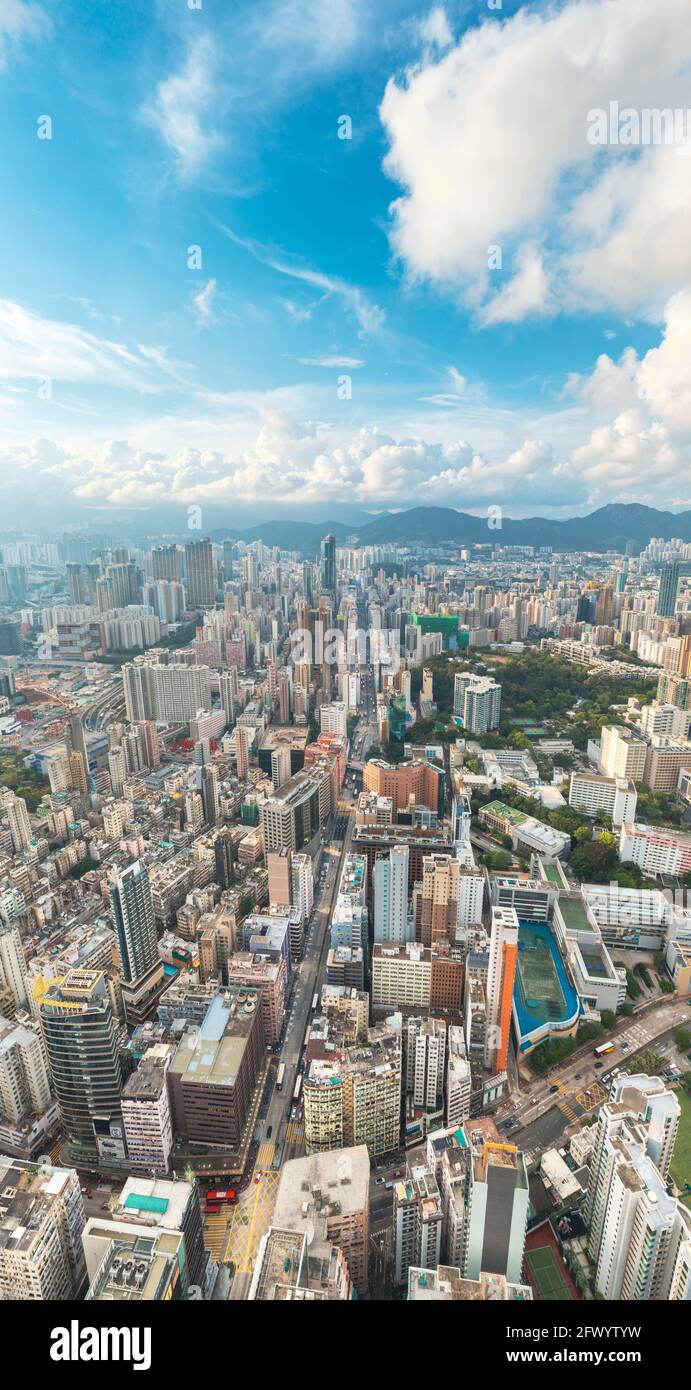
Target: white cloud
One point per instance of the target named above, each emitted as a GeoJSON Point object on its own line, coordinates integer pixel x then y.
{"type": "Point", "coordinates": [489, 143]}
{"type": "Point", "coordinates": [181, 106]}
{"type": "Point", "coordinates": [245, 64]}
{"type": "Point", "coordinates": [435, 29]}
{"type": "Point", "coordinates": [527, 293]}
{"type": "Point", "coordinates": [204, 302]}
{"type": "Point", "coordinates": [347, 363]}
{"type": "Point", "coordinates": [20, 20]}
{"type": "Point", "coordinates": [32, 347]}
{"type": "Point", "coordinates": [369, 315]}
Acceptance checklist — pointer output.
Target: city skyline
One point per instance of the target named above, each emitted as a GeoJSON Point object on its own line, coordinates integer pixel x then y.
{"type": "Point", "coordinates": [345, 669]}
{"type": "Point", "coordinates": [222, 290]}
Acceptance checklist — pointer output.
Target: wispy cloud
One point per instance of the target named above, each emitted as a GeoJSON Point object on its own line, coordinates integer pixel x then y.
{"type": "Point", "coordinates": [370, 316]}
{"type": "Point", "coordinates": [19, 19]}
{"type": "Point", "coordinates": [204, 302]}
{"type": "Point", "coordinates": [33, 348]}
{"type": "Point", "coordinates": [347, 363]}
{"type": "Point", "coordinates": [180, 109]}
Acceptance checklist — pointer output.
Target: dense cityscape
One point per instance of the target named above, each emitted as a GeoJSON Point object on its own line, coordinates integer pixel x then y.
{"type": "Point", "coordinates": [345, 950]}
{"type": "Point", "coordinates": [345, 678]}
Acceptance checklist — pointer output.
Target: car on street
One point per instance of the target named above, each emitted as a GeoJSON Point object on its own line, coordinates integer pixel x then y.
{"type": "Point", "coordinates": [598, 1065]}
{"type": "Point", "coordinates": [552, 1089]}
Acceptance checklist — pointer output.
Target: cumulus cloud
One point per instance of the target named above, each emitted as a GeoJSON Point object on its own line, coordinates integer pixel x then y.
{"type": "Point", "coordinates": [489, 142]}
{"type": "Point", "coordinates": [643, 451]}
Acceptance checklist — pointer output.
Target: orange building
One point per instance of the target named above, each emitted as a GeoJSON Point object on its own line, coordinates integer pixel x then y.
{"type": "Point", "coordinates": [418, 781]}
{"type": "Point", "coordinates": [503, 953]}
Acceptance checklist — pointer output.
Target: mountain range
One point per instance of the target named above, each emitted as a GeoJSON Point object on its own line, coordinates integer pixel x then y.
{"type": "Point", "coordinates": [609, 528]}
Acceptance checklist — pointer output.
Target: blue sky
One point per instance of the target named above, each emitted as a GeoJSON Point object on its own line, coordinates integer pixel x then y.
{"type": "Point", "coordinates": [344, 345]}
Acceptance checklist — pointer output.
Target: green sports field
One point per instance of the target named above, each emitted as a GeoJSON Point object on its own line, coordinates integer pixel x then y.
{"type": "Point", "coordinates": [546, 1274]}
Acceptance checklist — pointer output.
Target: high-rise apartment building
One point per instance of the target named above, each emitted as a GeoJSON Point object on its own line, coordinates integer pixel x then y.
{"type": "Point", "coordinates": [146, 1119]}
{"type": "Point", "coordinates": [636, 1228]}
{"type": "Point", "coordinates": [669, 583]}
{"type": "Point", "coordinates": [417, 1222]}
{"type": "Point", "coordinates": [13, 965]}
{"type": "Point", "coordinates": [425, 1062]}
{"type": "Point", "coordinates": [353, 1095]}
{"type": "Point", "coordinates": [24, 1085]}
{"type": "Point", "coordinates": [333, 719]}
{"type": "Point", "coordinates": [135, 930]}
{"type": "Point", "coordinates": [476, 702]}
{"type": "Point", "coordinates": [621, 753]}
{"type": "Point", "coordinates": [14, 810]}
{"type": "Point", "coordinates": [243, 740]}
{"type": "Point", "coordinates": [200, 578]}
{"type": "Point", "coordinates": [437, 900]}
{"type": "Point", "coordinates": [166, 563]}
{"type": "Point", "coordinates": [503, 953]}
{"type": "Point", "coordinates": [458, 1078]}
{"type": "Point", "coordinates": [392, 920]}
{"type": "Point", "coordinates": [41, 1224]}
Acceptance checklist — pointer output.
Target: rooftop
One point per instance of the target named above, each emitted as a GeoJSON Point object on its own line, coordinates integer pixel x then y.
{"type": "Point", "coordinates": [211, 1054]}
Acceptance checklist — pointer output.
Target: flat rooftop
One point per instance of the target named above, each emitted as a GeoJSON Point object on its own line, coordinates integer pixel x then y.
{"type": "Point", "coordinates": [322, 1185]}
{"type": "Point", "coordinates": [574, 913]}
{"type": "Point", "coordinates": [211, 1054]}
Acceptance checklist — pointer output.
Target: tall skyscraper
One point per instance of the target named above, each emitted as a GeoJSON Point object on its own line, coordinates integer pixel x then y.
{"type": "Point", "coordinates": [243, 738]}
{"type": "Point", "coordinates": [669, 583]}
{"type": "Point", "coordinates": [229, 689]}
{"type": "Point", "coordinates": [328, 563]}
{"type": "Point", "coordinates": [82, 1047]}
{"type": "Point", "coordinates": [78, 746]}
{"type": "Point", "coordinates": [503, 953]}
{"type": "Point", "coordinates": [391, 920]}
{"type": "Point", "coordinates": [135, 924]}
{"type": "Point", "coordinates": [200, 575]}
{"type": "Point", "coordinates": [135, 931]}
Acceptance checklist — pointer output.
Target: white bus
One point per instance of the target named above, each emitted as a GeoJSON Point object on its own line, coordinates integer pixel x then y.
{"type": "Point", "coordinates": [279, 1076]}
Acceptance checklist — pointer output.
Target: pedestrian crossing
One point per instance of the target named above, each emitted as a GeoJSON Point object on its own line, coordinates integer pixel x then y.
{"type": "Point", "coordinates": [265, 1157]}
{"type": "Point", "coordinates": [295, 1132]}
{"type": "Point", "coordinates": [215, 1234]}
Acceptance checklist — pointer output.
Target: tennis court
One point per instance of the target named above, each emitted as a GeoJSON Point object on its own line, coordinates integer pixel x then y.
{"type": "Point", "coordinates": [546, 1276]}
